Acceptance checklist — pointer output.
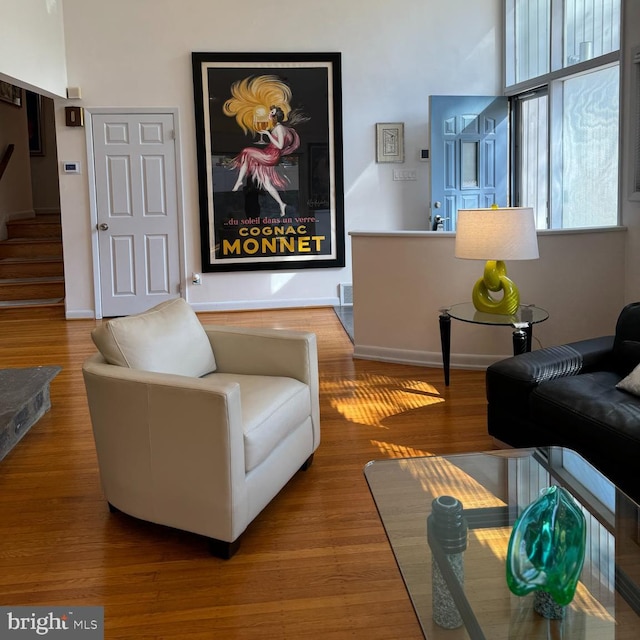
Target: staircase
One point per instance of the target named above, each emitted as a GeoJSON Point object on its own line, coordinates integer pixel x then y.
{"type": "Point", "coordinates": [31, 268]}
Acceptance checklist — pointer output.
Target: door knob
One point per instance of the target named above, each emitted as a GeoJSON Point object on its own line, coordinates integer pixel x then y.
{"type": "Point", "coordinates": [103, 226]}
{"type": "Point", "coordinates": [437, 204]}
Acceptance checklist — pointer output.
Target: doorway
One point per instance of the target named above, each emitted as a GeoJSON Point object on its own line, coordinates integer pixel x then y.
{"type": "Point", "coordinates": [469, 155]}
{"type": "Point", "coordinates": [136, 210]}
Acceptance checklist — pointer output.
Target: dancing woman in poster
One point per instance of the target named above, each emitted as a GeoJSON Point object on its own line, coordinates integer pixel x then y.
{"type": "Point", "coordinates": [261, 163]}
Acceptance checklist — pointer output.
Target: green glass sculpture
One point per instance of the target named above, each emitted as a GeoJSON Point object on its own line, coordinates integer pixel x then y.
{"type": "Point", "coordinates": [547, 546]}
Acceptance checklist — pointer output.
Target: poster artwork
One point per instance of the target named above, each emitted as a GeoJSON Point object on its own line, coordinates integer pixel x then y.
{"type": "Point", "coordinates": [270, 166]}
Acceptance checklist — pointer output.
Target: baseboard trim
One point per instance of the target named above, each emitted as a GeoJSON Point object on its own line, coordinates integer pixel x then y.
{"type": "Point", "coordinates": [425, 358]}
{"type": "Point", "coordinates": [254, 305]}
{"type": "Point", "coordinates": [240, 305]}
{"type": "Point", "coordinates": [81, 314]}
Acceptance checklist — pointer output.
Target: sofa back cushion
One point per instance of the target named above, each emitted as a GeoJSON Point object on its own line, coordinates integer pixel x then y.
{"type": "Point", "coordinates": [167, 338]}
{"type": "Point", "coordinates": [626, 346]}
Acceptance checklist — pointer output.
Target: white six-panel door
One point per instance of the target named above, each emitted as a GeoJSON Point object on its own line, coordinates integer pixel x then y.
{"type": "Point", "coordinates": [137, 210]}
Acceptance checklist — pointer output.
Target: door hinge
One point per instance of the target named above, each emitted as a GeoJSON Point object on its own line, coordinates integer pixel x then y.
{"type": "Point", "coordinates": [172, 134]}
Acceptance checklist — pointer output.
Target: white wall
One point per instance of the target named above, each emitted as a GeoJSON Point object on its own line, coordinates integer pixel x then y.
{"type": "Point", "coordinates": [32, 50]}
{"type": "Point", "coordinates": [394, 55]}
{"type": "Point", "coordinates": [401, 280]}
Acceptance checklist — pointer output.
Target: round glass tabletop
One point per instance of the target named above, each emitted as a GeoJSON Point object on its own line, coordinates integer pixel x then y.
{"type": "Point", "coordinates": [466, 312]}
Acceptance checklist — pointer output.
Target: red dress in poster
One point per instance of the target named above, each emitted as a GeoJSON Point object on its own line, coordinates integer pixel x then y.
{"type": "Point", "coordinates": [262, 105]}
{"type": "Point", "coordinates": [261, 163]}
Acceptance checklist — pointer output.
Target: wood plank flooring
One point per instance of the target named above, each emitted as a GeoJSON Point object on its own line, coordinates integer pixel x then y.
{"type": "Point", "coordinates": [315, 564]}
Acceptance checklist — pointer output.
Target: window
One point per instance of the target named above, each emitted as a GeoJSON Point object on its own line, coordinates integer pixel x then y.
{"type": "Point", "coordinates": [590, 149]}
{"type": "Point", "coordinates": [532, 37]}
{"type": "Point", "coordinates": [635, 110]}
{"type": "Point", "coordinates": [562, 77]}
{"type": "Point", "coordinates": [591, 28]}
{"type": "Point", "coordinates": [532, 166]}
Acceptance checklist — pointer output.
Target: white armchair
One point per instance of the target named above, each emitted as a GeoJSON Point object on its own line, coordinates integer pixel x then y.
{"type": "Point", "coordinates": [198, 428]}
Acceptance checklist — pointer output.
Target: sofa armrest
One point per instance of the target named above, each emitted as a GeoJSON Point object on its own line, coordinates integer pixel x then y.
{"type": "Point", "coordinates": [510, 381]}
{"type": "Point", "coordinates": [555, 362]}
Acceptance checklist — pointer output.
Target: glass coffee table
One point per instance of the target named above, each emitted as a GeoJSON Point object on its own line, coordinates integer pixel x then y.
{"type": "Point", "coordinates": [494, 487]}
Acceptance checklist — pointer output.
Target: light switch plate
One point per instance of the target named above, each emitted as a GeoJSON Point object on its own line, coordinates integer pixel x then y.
{"type": "Point", "coordinates": [405, 174]}
{"type": "Point", "coordinates": [71, 167]}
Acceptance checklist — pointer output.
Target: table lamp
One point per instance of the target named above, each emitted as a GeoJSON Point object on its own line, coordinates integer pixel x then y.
{"type": "Point", "coordinates": [496, 235]}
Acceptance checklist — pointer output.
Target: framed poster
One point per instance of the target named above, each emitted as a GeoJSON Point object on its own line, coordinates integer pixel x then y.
{"type": "Point", "coordinates": [270, 173]}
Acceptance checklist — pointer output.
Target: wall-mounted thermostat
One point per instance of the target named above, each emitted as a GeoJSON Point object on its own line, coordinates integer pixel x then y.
{"type": "Point", "coordinates": [71, 167]}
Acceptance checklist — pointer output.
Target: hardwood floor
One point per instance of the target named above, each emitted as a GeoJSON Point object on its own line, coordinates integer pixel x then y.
{"type": "Point", "coordinates": [314, 564]}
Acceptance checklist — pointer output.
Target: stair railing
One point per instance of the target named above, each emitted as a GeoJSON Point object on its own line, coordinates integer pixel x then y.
{"type": "Point", "coordinates": [6, 156]}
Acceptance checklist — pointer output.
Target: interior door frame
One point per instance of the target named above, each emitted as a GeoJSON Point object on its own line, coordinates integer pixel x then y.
{"type": "Point", "coordinates": [90, 112]}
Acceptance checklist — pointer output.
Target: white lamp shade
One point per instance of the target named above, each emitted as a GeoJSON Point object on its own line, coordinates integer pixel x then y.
{"type": "Point", "coordinates": [507, 233]}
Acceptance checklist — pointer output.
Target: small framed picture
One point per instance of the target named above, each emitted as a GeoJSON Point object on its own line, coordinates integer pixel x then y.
{"type": "Point", "coordinates": [11, 94]}
{"type": "Point", "coordinates": [390, 142]}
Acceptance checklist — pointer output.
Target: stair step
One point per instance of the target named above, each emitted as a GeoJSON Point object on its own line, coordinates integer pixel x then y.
{"type": "Point", "coordinates": [30, 248]}
{"type": "Point", "coordinates": [31, 267]}
{"type": "Point", "coordinates": [27, 309]}
{"type": "Point", "coordinates": [31, 288]}
{"type": "Point", "coordinates": [40, 226]}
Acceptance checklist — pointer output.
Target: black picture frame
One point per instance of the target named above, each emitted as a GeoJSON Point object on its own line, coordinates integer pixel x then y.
{"type": "Point", "coordinates": [10, 93]}
{"type": "Point", "coordinates": [267, 216]}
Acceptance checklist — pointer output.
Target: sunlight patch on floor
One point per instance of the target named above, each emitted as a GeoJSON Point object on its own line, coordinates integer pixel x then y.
{"type": "Point", "coordinates": [393, 450]}
{"type": "Point", "coordinates": [371, 399]}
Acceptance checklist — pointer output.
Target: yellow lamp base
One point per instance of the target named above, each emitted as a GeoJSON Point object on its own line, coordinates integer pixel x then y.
{"type": "Point", "coordinates": [495, 279]}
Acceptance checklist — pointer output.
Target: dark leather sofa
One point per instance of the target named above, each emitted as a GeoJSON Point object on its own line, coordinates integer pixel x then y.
{"type": "Point", "coordinates": [567, 396]}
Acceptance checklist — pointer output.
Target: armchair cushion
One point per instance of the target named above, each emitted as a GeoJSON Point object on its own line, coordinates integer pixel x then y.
{"type": "Point", "coordinates": [168, 338]}
{"type": "Point", "coordinates": [272, 408]}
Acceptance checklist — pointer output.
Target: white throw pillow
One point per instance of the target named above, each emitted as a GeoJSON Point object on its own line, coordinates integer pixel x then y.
{"type": "Point", "coordinates": [168, 338]}
{"type": "Point", "coordinates": [631, 383]}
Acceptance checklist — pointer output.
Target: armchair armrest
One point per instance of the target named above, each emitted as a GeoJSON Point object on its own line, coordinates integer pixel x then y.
{"type": "Point", "coordinates": [265, 352]}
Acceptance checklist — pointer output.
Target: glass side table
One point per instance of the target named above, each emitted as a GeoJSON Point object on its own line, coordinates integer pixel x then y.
{"type": "Point", "coordinates": [522, 322]}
